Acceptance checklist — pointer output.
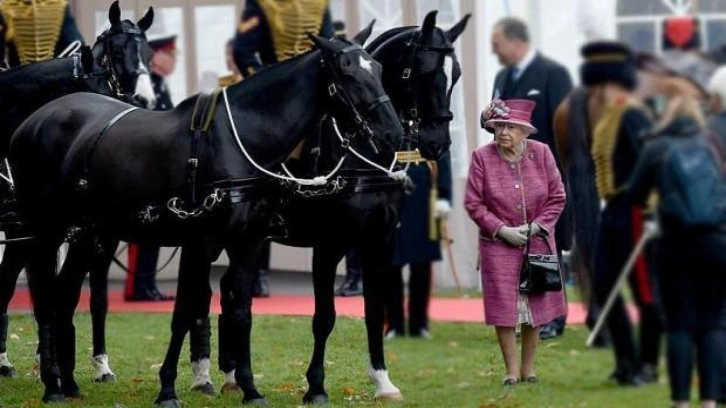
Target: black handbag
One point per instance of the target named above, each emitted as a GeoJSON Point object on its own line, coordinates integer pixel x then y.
{"type": "Point", "coordinates": [539, 273]}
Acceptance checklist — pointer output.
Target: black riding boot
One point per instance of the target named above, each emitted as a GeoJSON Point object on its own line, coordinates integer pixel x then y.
{"type": "Point", "coordinates": [353, 283]}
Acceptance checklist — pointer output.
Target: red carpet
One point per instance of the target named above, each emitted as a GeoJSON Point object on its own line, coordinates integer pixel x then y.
{"type": "Point", "coordinates": [441, 309]}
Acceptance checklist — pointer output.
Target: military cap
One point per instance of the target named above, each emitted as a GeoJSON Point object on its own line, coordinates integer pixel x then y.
{"type": "Point", "coordinates": [166, 43]}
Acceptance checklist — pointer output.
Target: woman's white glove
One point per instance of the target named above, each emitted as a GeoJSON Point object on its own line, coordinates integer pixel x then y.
{"type": "Point", "coordinates": [525, 227]}
{"type": "Point", "coordinates": [443, 209]}
{"type": "Point", "coordinates": [513, 235]}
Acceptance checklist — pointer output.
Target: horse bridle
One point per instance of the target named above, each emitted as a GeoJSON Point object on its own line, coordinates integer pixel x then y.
{"type": "Point", "coordinates": [410, 117]}
{"type": "Point", "coordinates": [114, 80]}
{"type": "Point", "coordinates": [337, 91]}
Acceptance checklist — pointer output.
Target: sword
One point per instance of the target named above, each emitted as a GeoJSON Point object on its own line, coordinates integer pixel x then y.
{"type": "Point", "coordinates": [444, 227]}
{"type": "Point", "coordinates": [648, 234]}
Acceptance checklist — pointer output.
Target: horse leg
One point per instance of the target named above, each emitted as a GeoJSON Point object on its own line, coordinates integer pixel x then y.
{"type": "Point", "coordinates": [236, 288]}
{"type": "Point", "coordinates": [376, 259]}
{"type": "Point", "coordinates": [70, 282]}
{"type": "Point", "coordinates": [98, 280]}
{"type": "Point", "coordinates": [14, 259]}
{"type": "Point", "coordinates": [200, 334]}
{"type": "Point", "coordinates": [225, 358]}
{"type": "Point", "coordinates": [43, 290]}
{"type": "Point", "coordinates": [193, 258]}
{"type": "Point", "coordinates": [325, 261]}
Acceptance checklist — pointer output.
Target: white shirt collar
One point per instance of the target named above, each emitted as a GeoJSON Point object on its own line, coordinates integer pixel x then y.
{"type": "Point", "coordinates": [526, 61]}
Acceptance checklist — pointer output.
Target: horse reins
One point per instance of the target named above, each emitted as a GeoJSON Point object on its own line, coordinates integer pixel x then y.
{"type": "Point", "coordinates": [114, 80]}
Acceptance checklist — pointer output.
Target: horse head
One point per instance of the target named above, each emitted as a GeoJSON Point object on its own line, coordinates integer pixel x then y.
{"type": "Point", "coordinates": [436, 70]}
{"type": "Point", "coordinates": [359, 103]}
{"type": "Point", "coordinates": [421, 71]}
{"type": "Point", "coordinates": [123, 52]}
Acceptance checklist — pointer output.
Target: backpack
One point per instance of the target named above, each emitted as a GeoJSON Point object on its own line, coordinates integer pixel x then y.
{"type": "Point", "coordinates": [694, 192]}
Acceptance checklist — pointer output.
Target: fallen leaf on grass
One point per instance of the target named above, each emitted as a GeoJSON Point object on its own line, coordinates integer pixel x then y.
{"type": "Point", "coordinates": [552, 344]}
{"type": "Point", "coordinates": [574, 353]}
{"type": "Point", "coordinates": [453, 344]}
{"type": "Point", "coordinates": [286, 387]}
{"type": "Point", "coordinates": [156, 366]}
{"type": "Point", "coordinates": [348, 391]}
{"type": "Point", "coordinates": [14, 336]}
{"type": "Point", "coordinates": [463, 385]}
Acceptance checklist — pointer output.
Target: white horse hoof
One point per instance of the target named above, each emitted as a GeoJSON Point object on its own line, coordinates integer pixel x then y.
{"type": "Point", "coordinates": [102, 369]}
{"type": "Point", "coordinates": [385, 390]}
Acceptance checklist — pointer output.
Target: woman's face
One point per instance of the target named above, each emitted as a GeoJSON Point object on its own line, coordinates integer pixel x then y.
{"type": "Point", "coordinates": [509, 135]}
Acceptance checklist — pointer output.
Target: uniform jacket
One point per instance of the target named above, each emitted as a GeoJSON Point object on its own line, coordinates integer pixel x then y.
{"type": "Point", "coordinates": [494, 199]}
{"type": "Point", "coordinates": [412, 243]}
{"type": "Point", "coordinates": [253, 44]}
{"type": "Point", "coordinates": [68, 33]}
{"type": "Point", "coordinates": [161, 90]}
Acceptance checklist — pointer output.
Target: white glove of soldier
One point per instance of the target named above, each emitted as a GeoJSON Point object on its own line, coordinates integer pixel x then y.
{"type": "Point", "coordinates": [443, 208]}
{"type": "Point", "coordinates": [513, 235]}
{"type": "Point", "coordinates": [651, 227]}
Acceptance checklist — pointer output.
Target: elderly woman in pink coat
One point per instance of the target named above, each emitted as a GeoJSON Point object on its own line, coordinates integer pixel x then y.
{"type": "Point", "coordinates": [514, 182]}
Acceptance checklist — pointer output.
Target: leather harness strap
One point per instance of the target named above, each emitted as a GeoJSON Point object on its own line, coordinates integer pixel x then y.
{"type": "Point", "coordinates": [202, 118]}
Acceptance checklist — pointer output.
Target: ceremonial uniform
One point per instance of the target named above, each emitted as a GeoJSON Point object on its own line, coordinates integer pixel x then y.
{"type": "Point", "coordinates": [36, 30]}
{"type": "Point", "coordinates": [616, 144]}
{"type": "Point", "coordinates": [416, 243]}
{"type": "Point", "coordinates": [272, 31]}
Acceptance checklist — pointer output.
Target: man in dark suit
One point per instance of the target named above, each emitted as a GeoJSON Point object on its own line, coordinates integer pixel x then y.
{"type": "Point", "coordinates": [527, 74]}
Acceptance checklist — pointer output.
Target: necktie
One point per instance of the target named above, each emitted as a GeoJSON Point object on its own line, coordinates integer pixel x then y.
{"type": "Point", "coordinates": [514, 74]}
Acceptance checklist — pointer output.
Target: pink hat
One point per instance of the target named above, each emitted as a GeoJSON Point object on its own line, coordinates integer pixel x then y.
{"type": "Point", "coordinates": [517, 111]}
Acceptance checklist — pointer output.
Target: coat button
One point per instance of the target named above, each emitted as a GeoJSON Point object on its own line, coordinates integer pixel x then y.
{"type": "Point", "coordinates": [511, 165]}
{"type": "Point", "coordinates": [516, 186]}
{"type": "Point", "coordinates": [519, 206]}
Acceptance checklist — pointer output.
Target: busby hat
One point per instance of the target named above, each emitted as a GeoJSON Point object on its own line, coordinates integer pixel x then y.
{"type": "Point", "coordinates": [166, 43]}
{"type": "Point", "coordinates": [608, 61]}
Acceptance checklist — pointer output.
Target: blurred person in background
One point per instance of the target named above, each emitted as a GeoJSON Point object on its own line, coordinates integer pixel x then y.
{"type": "Point", "coordinates": [717, 120]}
{"type": "Point", "coordinates": [514, 186]}
{"type": "Point", "coordinates": [527, 74]}
{"type": "Point", "coordinates": [233, 75]}
{"type": "Point", "coordinates": [272, 31]}
{"type": "Point", "coordinates": [35, 30]}
{"type": "Point", "coordinates": [143, 258]}
{"type": "Point", "coordinates": [683, 166]}
{"type": "Point", "coordinates": [417, 243]}
{"type": "Point", "coordinates": [609, 74]}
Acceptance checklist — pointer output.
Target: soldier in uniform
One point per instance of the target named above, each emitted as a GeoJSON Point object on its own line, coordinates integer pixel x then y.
{"type": "Point", "coordinates": [417, 244]}
{"type": "Point", "coordinates": [609, 74]}
{"type": "Point", "coordinates": [141, 278]}
{"type": "Point", "coordinates": [36, 30]}
{"type": "Point", "coordinates": [272, 31]}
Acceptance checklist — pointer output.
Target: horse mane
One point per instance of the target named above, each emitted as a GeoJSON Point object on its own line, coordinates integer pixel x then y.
{"type": "Point", "coordinates": [268, 79]}
{"type": "Point", "coordinates": [388, 35]}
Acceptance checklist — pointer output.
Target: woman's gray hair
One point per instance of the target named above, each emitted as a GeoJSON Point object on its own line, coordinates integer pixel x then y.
{"type": "Point", "coordinates": [514, 28]}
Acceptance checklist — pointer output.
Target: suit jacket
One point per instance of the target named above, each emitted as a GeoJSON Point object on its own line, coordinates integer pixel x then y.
{"type": "Point", "coordinates": [543, 81]}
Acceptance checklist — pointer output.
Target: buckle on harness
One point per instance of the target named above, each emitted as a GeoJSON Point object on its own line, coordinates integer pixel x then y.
{"type": "Point", "coordinates": [406, 73]}
{"type": "Point", "coordinates": [193, 163]}
{"type": "Point", "coordinates": [332, 90]}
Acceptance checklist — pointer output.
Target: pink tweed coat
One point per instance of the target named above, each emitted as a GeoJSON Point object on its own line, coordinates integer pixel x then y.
{"type": "Point", "coordinates": [494, 199]}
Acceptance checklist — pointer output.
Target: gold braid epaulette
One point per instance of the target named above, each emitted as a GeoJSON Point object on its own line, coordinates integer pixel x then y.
{"type": "Point", "coordinates": [290, 21]}
{"type": "Point", "coordinates": [34, 27]}
{"type": "Point", "coordinates": [604, 140]}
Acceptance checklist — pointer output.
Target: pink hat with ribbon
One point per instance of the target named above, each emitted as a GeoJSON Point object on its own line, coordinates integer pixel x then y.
{"type": "Point", "coordinates": [517, 111]}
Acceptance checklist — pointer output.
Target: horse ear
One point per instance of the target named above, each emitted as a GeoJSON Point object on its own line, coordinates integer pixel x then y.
{"type": "Point", "coordinates": [320, 42]}
{"type": "Point", "coordinates": [458, 28]}
{"type": "Point", "coordinates": [87, 58]}
{"type": "Point", "coordinates": [362, 36]}
{"type": "Point", "coordinates": [148, 18]}
{"type": "Point", "coordinates": [114, 13]}
{"type": "Point", "coordinates": [429, 23]}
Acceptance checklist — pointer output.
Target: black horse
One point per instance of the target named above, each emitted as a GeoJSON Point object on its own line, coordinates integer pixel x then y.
{"type": "Point", "coordinates": [117, 66]}
{"type": "Point", "coordinates": [420, 70]}
{"type": "Point", "coordinates": [94, 167]}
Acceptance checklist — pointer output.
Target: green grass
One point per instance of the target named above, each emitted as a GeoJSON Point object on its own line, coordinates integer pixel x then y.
{"type": "Point", "coordinates": [460, 367]}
